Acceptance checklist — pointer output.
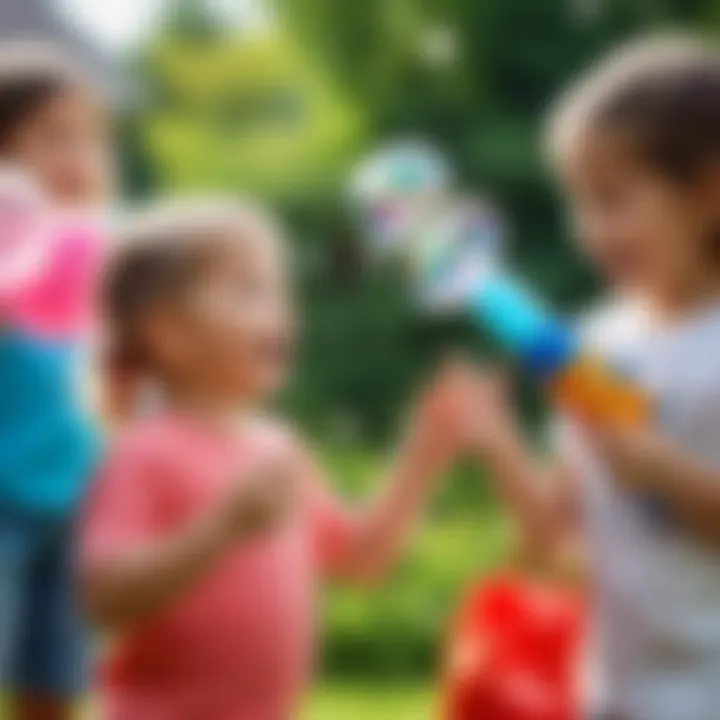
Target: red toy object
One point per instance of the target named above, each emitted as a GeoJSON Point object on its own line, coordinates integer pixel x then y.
{"type": "Point", "coordinates": [513, 653]}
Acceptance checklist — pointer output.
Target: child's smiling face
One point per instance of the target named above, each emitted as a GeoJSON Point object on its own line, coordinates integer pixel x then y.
{"type": "Point", "coordinates": [232, 336]}
{"type": "Point", "coordinates": [244, 316]}
{"type": "Point", "coordinates": [65, 145]}
{"type": "Point", "coordinates": [642, 230]}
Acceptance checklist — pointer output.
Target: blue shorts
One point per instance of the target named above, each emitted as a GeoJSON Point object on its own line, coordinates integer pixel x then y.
{"type": "Point", "coordinates": [42, 644]}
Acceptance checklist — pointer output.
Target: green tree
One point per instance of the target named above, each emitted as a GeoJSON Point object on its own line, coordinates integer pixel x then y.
{"type": "Point", "coordinates": [476, 77]}
{"type": "Point", "coordinates": [240, 112]}
{"type": "Point", "coordinates": [283, 113]}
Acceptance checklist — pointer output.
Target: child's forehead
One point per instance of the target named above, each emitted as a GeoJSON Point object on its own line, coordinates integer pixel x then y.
{"type": "Point", "coordinates": [243, 247]}
{"type": "Point", "coordinates": [243, 235]}
{"type": "Point", "coordinates": [197, 223]}
{"type": "Point", "coordinates": [600, 155]}
{"type": "Point", "coordinates": [78, 104]}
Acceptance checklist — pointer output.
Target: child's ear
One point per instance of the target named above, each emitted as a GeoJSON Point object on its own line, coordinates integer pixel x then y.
{"type": "Point", "coordinates": [708, 186]}
{"type": "Point", "coordinates": [711, 205]}
{"type": "Point", "coordinates": [161, 335]}
{"type": "Point", "coordinates": [705, 187]}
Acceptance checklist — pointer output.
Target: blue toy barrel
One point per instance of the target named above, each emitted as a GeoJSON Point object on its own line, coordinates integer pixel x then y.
{"type": "Point", "coordinates": [523, 325]}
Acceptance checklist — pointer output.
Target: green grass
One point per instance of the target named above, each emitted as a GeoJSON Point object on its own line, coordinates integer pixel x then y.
{"type": "Point", "coordinates": [353, 701]}
{"type": "Point", "coordinates": [376, 701]}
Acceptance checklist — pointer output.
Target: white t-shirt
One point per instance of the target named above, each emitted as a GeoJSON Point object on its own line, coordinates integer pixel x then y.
{"type": "Point", "coordinates": [657, 588]}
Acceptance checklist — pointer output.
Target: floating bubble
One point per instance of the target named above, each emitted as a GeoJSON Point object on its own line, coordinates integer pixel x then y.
{"type": "Point", "coordinates": [395, 189]}
{"type": "Point", "coordinates": [457, 249]}
{"type": "Point", "coordinates": [409, 208]}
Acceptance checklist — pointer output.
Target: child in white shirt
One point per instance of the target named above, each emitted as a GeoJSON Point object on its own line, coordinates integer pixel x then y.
{"type": "Point", "coordinates": [637, 147]}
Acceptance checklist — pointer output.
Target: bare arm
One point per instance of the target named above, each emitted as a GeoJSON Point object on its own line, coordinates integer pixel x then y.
{"type": "Point", "coordinates": [437, 431]}
{"type": "Point", "coordinates": [535, 491]}
{"type": "Point", "coordinates": [383, 528]}
{"type": "Point", "coordinates": [540, 494]}
{"type": "Point", "coordinates": [119, 590]}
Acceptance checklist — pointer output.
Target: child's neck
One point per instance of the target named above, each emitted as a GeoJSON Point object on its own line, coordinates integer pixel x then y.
{"type": "Point", "coordinates": [694, 295]}
{"type": "Point", "coordinates": [214, 411]}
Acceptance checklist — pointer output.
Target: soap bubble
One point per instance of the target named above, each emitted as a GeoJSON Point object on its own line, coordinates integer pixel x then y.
{"type": "Point", "coordinates": [396, 189]}
{"type": "Point", "coordinates": [410, 209]}
{"type": "Point", "coordinates": [461, 245]}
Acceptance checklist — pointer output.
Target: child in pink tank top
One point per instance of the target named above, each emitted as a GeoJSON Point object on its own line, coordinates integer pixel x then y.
{"type": "Point", "coordinates": [209, 527]}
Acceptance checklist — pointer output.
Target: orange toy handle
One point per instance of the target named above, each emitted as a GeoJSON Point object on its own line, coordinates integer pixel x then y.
{"type": "Point", "coordinates": [593, 391]}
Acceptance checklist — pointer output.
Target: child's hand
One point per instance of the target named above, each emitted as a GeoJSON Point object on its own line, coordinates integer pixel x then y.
{"type": "Point", "coordinates": [444, 417]}
{"type": "Point", "coordinates": [259, 501]}
{"type": "Point", "coordinates": [492, 426]}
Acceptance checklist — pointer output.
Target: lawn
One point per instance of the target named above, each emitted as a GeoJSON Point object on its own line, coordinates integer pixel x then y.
{"type": "Point", "coordinates": [376, 701]}
{"type": "Point", "coordinates": [356, 701]}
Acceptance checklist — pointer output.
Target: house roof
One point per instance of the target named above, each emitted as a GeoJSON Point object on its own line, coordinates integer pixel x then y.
{"type": "Point", "coordinates": [40, 20]}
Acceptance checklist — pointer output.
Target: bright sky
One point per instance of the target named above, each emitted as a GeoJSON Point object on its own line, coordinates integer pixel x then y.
{"type": "Point", "coordinates": [117, 23]}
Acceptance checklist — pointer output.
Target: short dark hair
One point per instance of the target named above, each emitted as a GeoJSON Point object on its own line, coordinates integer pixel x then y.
{"type": "Point", "coordinates": [159, 256]}
{"type": "Point", "coordinates": [31, 75]}
{"type": "Point", "coordinates": [662, 94]}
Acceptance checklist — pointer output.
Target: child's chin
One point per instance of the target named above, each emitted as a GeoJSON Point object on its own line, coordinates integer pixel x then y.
{"type": "Point", "coordinates": [625, 279]}
{"type": "Point", "coordinates": [269, 384]}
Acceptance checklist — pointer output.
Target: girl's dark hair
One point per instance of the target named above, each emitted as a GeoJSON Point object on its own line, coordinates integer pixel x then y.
{"type": "Point", "coordinates": [31, 75]}
{"type": "Point", "coordinates": [662, 95]}
{"type": "Point", "coordinates": [161, 255]}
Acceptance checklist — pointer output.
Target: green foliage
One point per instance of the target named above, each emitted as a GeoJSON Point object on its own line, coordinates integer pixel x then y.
{"type": "Point", "coordinates": [243, 113]}
{"type": "Point", "coordinates": [191, 18]}
{"type": "Point", "coordinates": [283, 113]}
{"type": "Point", "coordinates": [354, 701]}
{"type": "Point", "coordinates": [395, 630]}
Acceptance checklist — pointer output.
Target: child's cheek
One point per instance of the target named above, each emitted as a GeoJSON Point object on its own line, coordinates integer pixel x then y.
{"type": "Point", "coordinates": [615, 261]}
{"type": "Point", "coordinates": [254, 367]}
{"type": "Point", "coordinates": [628, 269]}
{"type": "Point", "coordinates": [273, 379]}
{"type": "Point", "coordinates": [272, 359]}
{"type": "Point", "coordinates": [239, 362]}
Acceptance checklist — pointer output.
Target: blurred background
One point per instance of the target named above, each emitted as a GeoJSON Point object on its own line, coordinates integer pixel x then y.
{"type": "Point", "coordinates": [279, 99]}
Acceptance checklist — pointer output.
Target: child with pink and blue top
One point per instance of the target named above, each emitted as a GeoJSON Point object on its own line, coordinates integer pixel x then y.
{"type": "Point", "coordinates": [56, 171]}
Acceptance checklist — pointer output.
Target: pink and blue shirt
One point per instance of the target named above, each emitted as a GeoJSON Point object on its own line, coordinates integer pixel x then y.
{"type": "Point", "coordinates": [48, 446]}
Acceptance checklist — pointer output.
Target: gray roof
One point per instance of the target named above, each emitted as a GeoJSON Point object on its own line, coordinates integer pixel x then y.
{"type": "Point", "coordinates": [40, 20]}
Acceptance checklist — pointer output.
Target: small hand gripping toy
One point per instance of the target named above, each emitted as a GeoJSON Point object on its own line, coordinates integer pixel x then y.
{"type": "Point", "coordinates": [453, 244]}
{"type": "Point", "coordinates": [49, 263]}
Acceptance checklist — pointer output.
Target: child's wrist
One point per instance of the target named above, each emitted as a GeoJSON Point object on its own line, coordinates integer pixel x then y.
{"type": "Point", "coordinates": [502, 444]}
{"type": "Point", "coordinates": [427, 457]}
